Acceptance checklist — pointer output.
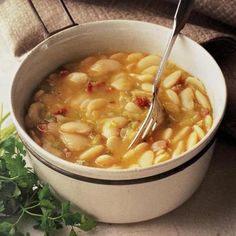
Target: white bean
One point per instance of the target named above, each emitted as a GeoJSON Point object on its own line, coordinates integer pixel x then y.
{"type": "Point", "coordinates": [109, 130]}
{"type": "Point", "coordinates": [171, 79]}
{"type": "Point", "coordinates": [147, 87]}
{"type": "Point", "coordinates": [122, 84]}
{"type": "Point", "coordinates": [118, 56]}
{"type": "Point", "coordinates": [75, 102]}
{"type": "Point", "coordinates": [131, 67]}
{"type": "Point", "coordinates": [104, 66]}
{"type": "Point", "coordinates": [78, 78]}
{"type": "Point", "coordinates": [145, 78]}
{"type": "Point", "coordinates": [127, 134]}
{"type": "Point", "coordinates": [105, 160]}
{"type": "Point", "coordinates": [146, 159]}
{"type": "Point", "coordinates": [78, 126]}
{"type": "Point", "coordinates": [134, 57]}
{"type": "Point", "coordinates": [34, 114]}
{"type": "Point", "coordinates": [95, 114]}
{"type": "Point", "coordinates": [202, 100]}
{"type": "Point", "coordinates": [167, 133]}
{"type": "Point", "coordinates": [183, 132]}
{"type": "Point", "coordinates": [113, 143]}
{"type": "Point", "coordinates": [97, 104]}
{"type": "Point", "coordinates": [162, 157]}
{"type": "Point", "coordinates": [171, 107]}
{"type": "Point", "coordinates": [132, 116]}
{"type": "Point", "coordinates": [186, 97]}
{"type": "Point", "coordinates": [84, 104]}
{"type": "Point", "coordinates": [151, 70]}
{"type": "Point", "coordinates": [120, 75]}
{"type": "Point", "coordinates": [147, 61]}
{"type": "Point", "coordinates": [61, 119]}
{"type": "Point", "coordinates": [208, 122]}
{"type": "Point", "coordinates": [133, 166]}
{"type": "Point", "coordinates": [111, 126]}
{"type": "Point", "coordinates": [138, 150]}
{"type": "Point", "coordinates": [180, 147]}
{"type": "Point", "coordinates": [74, 142]}
{"type": "Point", "coordinates": [199, 131]}
{"type": "Point", "coordinates": [172, 95]}
{"type": "Point", "coordinates": [92, 153]}
{"type": "Point", "coordinates": [192, 140]}
{"type": "Point", "coordinates": [159, 152]}
{"type": "Point", "coordinates": [119, 121]}
{"type": "Point", "coordinates": [38, 94]}
{"type": "Point", "coordinates": [132, 107]}
{"type": "Point", "coordinates": [196, 83]}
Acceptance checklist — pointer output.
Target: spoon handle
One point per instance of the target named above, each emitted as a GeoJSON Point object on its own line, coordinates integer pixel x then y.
{"type": "Point", "coordinates": [182, 13]}
{"type": "Point", "coordinates": [181, 16]}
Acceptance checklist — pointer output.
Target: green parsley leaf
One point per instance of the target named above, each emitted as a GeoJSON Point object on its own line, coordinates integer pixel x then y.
{"type": "Point", "coordinates": [87, 223]}
{"type": "Point", "coordinates": [8, 145]}
{"type": "Point", "coordinates": [47, 204]}
{"type": "Point", "coordinates": [5, 228]}
{"type": "Point", "coordinates": [44, 193]}
{"type": "Point", "coordinates": [46, 223]}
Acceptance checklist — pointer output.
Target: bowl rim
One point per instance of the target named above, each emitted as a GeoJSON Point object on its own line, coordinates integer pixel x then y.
{"type": "Point", "coordinates": [104, 171]}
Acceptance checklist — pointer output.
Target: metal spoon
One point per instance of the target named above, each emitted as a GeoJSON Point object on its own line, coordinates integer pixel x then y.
{"type": "Point", "coordinates": [155, 114]}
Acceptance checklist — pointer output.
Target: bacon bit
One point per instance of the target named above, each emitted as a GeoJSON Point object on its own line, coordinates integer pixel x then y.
{"type": "Point", "coordinates": [42, 127]}
{"type": "Point", "coordinates": [182, 81]}
{"type": "Point", "coordinates": [179, 87]}
{"type": "Point", "coordinates": [89, 88]}
{"type": "Point", "coordinates": [64, 73]}
{"type": "Point", "coordinates": [61, 111]}
{"type": "Point", "coordinates": [142, 102]}
{"type": "Point", "coordinates": [204, 112]}
{"type": "Point", "coordinates": [92, 86]}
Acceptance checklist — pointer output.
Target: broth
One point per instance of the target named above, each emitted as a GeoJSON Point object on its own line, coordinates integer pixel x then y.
{"type": "Point", "coordinates": [88, 111]}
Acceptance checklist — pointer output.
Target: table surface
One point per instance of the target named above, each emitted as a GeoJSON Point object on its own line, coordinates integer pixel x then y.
{"type": "Point", "coordinates": [210, 211]}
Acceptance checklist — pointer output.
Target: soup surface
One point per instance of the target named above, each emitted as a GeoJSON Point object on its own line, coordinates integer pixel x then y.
{"type": "Point", "coordinates": [88, 111]}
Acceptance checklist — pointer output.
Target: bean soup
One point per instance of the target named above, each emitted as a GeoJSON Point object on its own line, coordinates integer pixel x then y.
{"type": "Point", "coordinates": [88, 111]}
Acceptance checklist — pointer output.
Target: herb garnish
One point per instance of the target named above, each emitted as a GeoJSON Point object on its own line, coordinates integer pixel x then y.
{"type": "Point", "coordinates": [22, 194]}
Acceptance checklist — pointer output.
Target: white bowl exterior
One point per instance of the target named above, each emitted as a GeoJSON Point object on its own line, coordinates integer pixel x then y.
{"type": "Point", "coordinates": [140, 201]}
{"type": "Point", "coordinates": [127, 203]}
{"type": "Point", "coordinates": [107, 36]}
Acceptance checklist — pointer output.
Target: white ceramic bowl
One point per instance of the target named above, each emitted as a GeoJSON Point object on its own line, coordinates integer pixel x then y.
{"type": "Point", "coordinates": [119, 196]}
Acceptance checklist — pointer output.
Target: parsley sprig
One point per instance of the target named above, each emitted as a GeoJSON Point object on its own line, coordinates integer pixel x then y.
{"type": "Point", "coordinates": [22, 194]}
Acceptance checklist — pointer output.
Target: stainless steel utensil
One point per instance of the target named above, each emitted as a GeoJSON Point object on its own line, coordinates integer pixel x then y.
{"type": "Point", "coordinates": [155, 114]}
